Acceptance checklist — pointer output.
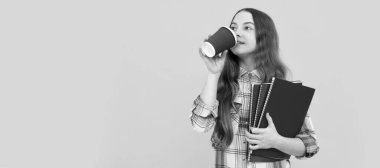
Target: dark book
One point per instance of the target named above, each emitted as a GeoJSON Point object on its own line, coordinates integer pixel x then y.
{"type": "Point", "coordinates": [287, 103]}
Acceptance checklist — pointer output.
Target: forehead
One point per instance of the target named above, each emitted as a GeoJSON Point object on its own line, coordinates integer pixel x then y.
{"type": "Point", "coordinates": [242, 17]}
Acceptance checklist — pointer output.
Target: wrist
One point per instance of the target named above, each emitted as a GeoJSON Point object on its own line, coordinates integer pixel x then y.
{"type": "Point", "coordinates": [214, 76]}
{"type": "Point", "coordinates": [278, 142]}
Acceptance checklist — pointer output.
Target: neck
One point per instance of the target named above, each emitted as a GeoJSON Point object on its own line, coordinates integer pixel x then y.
{"type": "Point", "coordinates": [247, 63]}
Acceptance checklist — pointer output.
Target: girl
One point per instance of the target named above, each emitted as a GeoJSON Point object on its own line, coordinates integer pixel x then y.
{"type": "Point", "coordinates": [223, 102]}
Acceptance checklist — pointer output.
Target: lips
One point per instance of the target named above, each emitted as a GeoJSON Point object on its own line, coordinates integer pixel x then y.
{"type": "Point", "coordinates": [239, 42]}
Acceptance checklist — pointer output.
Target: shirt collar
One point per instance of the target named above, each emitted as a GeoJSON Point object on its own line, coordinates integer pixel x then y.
{"type": "Point", "coordinates": [243, 72]}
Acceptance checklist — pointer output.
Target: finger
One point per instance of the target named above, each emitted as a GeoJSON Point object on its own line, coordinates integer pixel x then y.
{"type": "Point", "coordinates": [204, 57]}
{"type": "Point", "coordinates": [270, 121]}
{"type": "Point", "coordinates": [252, 141]}
{"type": "Point", "coordinates": [224, 53]}
{"type": "Point", "coordinates": [223, 57]}
{"type": "Point", "coordinates": [218, 57]}
{"type": "Point", "coordinates": [201, 53]}
{"type": "Point", "coordinates": [254, 147]}
{"type": "Point", "coordinates": [252, 136]}
{"type": "Point", "coordinates": [256, 130]}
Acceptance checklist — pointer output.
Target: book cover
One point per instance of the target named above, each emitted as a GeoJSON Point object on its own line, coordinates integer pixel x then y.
{"type": "Point", "coordinates": [287, 103]}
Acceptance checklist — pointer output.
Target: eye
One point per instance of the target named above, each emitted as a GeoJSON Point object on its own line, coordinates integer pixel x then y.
{"type": "Point", "coordinates": [233, 28]}
{"type": "Point", "coordinates": [248, 28]}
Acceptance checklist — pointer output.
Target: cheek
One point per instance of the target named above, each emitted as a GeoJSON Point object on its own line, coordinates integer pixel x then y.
{"type": "Point", "coordinates": [252, 43]}
{"type": "Point", "coordinates": [252, 40]}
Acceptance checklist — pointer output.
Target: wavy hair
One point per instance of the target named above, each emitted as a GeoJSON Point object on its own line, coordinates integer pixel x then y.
{"type": "Point", "coordinates": [268, 65]}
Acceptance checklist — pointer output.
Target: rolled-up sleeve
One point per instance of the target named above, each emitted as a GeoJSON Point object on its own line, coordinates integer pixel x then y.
{"type": "Point", "coordinates": [203, 116]}
{"type": "Point", "coordinates": [309, 138]}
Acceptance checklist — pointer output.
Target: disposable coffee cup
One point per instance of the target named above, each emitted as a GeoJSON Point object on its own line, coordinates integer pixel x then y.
{"type": "Point", "coordinates": [223, 39]}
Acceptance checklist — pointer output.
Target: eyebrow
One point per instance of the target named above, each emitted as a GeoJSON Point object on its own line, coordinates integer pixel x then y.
{"type": "Point", "coordinates": [244, 23]}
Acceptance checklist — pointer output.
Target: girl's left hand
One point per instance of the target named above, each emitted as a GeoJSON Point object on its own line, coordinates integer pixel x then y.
{"type": "Point", "coordinates": [263, 138]}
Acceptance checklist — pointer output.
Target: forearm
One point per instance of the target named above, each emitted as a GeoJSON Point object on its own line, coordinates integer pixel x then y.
{"type": "Point", "coordinates": [208, 94]}
{"type": "Point", "coordinates": [291, 146]}
{"type": "Point", "coordinates": [205, 107]}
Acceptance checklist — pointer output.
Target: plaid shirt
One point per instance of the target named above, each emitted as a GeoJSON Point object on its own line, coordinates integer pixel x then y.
{"type": "Point", "coordinates": [203, 119]}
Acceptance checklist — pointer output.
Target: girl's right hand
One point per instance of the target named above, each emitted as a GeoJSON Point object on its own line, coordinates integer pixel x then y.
{"type": "Point", "coordinates": [214, 64]}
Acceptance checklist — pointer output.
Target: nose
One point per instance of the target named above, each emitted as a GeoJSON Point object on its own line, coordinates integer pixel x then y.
{"type": "Point", "coordinates": [237, 32]}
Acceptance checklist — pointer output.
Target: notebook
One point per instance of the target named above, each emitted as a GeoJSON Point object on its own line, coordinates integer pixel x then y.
{"type": "Point", "coordinates": [260, 100]}
{"type": "Point", "coordinates": [255, 91]}
{"type": "Point", "coordinates": [287, 103]}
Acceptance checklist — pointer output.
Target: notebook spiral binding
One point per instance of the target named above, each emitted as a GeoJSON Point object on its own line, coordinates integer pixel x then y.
{"type": "Point", "coordinates": [256, 115]}
{"type": "Point", "coordinates": [257, 109]}
{"type": "Point", "coordinates": [250, 119]}
{"type": "Point", "coordinates": [266, 101]}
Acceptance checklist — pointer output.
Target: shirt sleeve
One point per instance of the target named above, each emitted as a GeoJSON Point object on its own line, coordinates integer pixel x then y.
{"type": "Point", "coordinates": [203, 116]}
{"type": "Point", "coordinates": [309, 138]}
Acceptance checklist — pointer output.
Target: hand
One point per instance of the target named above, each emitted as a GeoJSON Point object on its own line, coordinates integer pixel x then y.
{"type": "Point", "coordinates": [263, 138]}
{"type": "Point", "coordinates": [214, 64]}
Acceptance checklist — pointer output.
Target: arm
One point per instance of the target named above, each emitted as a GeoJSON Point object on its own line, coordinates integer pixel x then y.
{"type": "Point", "coordinates": [303, 145]}
{"type": "Point", "coordinates": [291, 146]}
{"type": "Point", "coordinates": [309, 138]}
{"type": "Point", "coordinates": [264, 138]}
{"type": "Point", "coordinates": [205, 107]}
{"type": "Point", "coordinates": [208, 94]}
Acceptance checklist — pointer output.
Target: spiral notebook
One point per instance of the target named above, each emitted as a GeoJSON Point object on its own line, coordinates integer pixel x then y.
{"type": "Point", "coordinates": [287, 103]}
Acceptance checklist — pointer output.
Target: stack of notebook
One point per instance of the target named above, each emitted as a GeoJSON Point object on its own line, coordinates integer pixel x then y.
{"type": "Point", "coordinates": [287, 103]}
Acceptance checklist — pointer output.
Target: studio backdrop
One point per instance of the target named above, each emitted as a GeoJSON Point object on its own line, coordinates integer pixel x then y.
{"type": "Point", "coordinates": [110, 84]}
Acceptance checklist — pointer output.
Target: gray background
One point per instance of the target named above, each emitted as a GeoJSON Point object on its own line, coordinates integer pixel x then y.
{"type": "Point", "coordinates": [110, 83]}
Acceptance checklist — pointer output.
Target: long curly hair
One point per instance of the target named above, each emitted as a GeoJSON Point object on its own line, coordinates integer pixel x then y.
{"type": "Point", "coordinates": [268, 65]}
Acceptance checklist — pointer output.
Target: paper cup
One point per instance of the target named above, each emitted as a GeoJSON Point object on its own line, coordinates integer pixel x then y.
{"type": "Point", "coordinates": [223, 39]}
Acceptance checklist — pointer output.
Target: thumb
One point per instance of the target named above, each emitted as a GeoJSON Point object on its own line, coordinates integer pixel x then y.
{"type": "Point", "coordinates": [270, 121]}
{"type": "Point", "coordinates": [223, 55]}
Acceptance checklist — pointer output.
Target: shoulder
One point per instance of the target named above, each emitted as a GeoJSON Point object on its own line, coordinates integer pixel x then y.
{"type": "Point", "coordinates": [288, 75]}
{"type": "Point", "coordinates": [285, 75]}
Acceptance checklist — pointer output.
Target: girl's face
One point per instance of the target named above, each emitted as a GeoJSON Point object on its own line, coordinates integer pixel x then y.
{"type": "Point", "coordinates": [245, 31]}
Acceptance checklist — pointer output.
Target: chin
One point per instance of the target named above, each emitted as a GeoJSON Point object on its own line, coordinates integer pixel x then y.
{"type": "Point", "coordinates": [239, 53]}
{"type": "Point", "coordinates": [242, 51]}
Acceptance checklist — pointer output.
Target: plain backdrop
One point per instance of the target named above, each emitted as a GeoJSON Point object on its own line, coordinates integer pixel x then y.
{"type": "Point", "coordinates": [109, 84]}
